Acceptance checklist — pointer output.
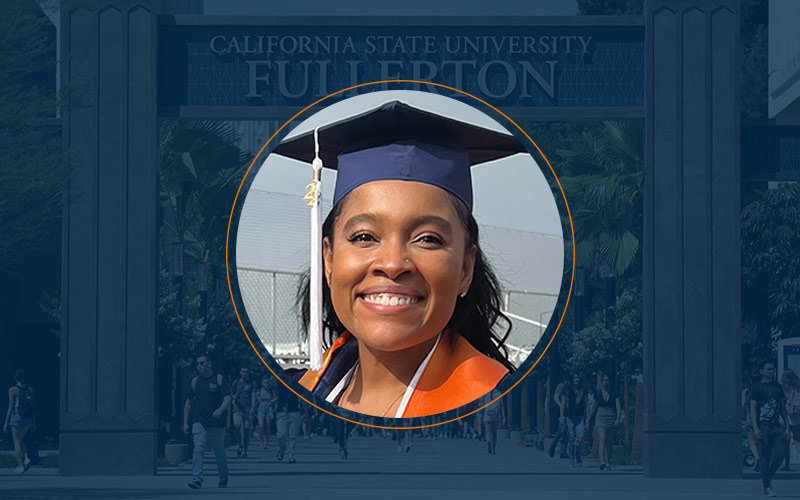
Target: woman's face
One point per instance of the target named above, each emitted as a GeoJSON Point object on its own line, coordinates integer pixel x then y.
{"type": "Point", "coordinates": [397, 263]}
{"type": "Point", "coordinates": [606, 381]}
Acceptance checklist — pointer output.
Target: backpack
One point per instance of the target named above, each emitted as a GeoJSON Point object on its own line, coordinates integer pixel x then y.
{"type": "Point", "coordinates": [26, 404]}
{"type": "Point", "coordinates": [194, 382]}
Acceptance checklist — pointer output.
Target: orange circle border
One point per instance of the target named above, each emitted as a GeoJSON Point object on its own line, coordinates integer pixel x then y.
{"type": "Point", "coordinates": [233, 208]}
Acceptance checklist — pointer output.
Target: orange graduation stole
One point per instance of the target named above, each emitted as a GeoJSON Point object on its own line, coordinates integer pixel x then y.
{"type": "Point", "coordinates": [456, 374]}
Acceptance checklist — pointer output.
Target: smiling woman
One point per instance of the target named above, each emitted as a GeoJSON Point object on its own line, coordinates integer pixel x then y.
{"type": "Point", "coordinates": [395, 273]}
{"type": "Point", "coordinates": [409, 305]}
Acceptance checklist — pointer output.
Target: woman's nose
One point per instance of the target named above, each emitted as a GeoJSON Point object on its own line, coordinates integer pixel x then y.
{"type": "Point", "coordinates": [393, 259]}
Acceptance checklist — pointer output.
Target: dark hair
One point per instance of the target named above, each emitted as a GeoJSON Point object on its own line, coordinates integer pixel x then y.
{"type": "Point", "coordinates": [19, 376]}
{"type": "Point", "coordinates": [571, 391]}
{"type": "Point", "coordinates": [789, 380]}
{"type": "Point", "coordinates": [475, 317]}
{"type": "Point", "coordinates": [207, 357]}
{"type": "Point", "coordinates": [755, 377]}
{"type": "Point", "coordinates": [764, 362]}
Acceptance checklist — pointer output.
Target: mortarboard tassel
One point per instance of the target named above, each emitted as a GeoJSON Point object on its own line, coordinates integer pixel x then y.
{"type": "Point", "coordinates": [315, 317]}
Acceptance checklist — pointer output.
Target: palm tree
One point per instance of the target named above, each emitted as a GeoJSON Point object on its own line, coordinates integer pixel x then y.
{"type": "Point", "coordinates": [604, 187]}
{"type": "Point", "coordinates": [200, 164]}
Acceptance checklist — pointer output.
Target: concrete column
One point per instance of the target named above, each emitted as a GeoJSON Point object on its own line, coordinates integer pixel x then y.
{"type": "Point", "coordinates": [110, 260]}
{"type": "Point", "coordinates": [692, 339]}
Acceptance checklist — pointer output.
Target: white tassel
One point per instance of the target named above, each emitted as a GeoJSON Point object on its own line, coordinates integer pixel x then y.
{"type": "Point", "coordinates": [315, 326]}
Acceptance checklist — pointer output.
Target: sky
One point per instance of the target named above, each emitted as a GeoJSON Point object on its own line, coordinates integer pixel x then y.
{"type": "Point", "coordinates": [405, 7]}
{"type": "Point", "coordinates": [511, 193]}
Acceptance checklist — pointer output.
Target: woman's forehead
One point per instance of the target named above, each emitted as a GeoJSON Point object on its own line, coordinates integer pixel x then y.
{"type": "Point", "coordinates": [406, 199]}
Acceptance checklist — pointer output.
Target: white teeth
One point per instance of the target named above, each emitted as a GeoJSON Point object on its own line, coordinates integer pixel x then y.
{"type": "Point", "coordinates": [386, 299]}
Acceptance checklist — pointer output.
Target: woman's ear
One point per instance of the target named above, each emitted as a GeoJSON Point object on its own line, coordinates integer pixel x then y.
{"type": "Point", "coordinates": [468, 269]}
{"type": "Point", "coordinates": [327, 259]}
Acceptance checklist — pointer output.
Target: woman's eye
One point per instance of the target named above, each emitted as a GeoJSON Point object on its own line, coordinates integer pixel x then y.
{"type": "Point", "coordinates": [431, 239]}
{"type": "Point", "coordinates": [361, 238]}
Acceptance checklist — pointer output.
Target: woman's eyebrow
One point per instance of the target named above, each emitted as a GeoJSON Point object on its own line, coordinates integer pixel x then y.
{"type": "Point", "coordinates": [435, 220]}
{"type": "Point", "coordinates": [358, 219]}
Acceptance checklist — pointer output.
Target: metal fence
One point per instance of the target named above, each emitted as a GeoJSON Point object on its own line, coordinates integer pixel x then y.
{"type": "Point", "coordinates": [530, 313]}
{"type": "Point", "coordinates": [269, 301]}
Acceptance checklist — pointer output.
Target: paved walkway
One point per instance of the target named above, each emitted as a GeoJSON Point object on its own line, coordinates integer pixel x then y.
{"type": "Point", "coordinates": [457, 469]}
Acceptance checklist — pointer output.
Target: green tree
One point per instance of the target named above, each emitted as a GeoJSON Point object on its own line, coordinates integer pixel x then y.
{"type": "Point", "coordinates": [593, 345]}
{"type": "Point", "coordinates": [199, 163]}
{"type": "Point", "coordinates": [770, 271]}
{"type": "Point", "coordinates": [754, 51]}
{"type": "Point", "coordinates": [32, 174]}
{"type": "Point", "coordinates": [181, 329]}
{"type": "Point", "coordinates": [603, 184]}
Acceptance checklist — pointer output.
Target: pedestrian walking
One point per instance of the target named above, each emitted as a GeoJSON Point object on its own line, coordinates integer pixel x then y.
{"type": "Point", "coordinates": [767, 410]}
{"type": "Point", "coordinates": [575, 418]}
{"type": "Point", "coordinates": [492, 415]}
{"type": "Point", "coordinates": [20, 417]}
{"type": "Point", "coordinates": [266, 397]}
{"type": "Point", "coordinates": [287, 422]}
{"type": "Point", "coordinates": [561, 432]}
{"type": "Point", "coordinates": [747, 422]}
{"type": "Point", "coordinates": [607, 404]}
{"type": "Point", "coordinates": [205, 410]}
{"type": "Point", "coordinates": [244, 407]}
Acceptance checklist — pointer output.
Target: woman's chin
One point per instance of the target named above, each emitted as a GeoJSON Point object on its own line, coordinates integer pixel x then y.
{"type": "Point", "coordinates": [392, 340]}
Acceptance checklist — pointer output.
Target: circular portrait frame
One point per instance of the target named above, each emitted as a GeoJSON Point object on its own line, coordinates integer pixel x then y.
{"type": "Point", "coordinates": [269, 142]}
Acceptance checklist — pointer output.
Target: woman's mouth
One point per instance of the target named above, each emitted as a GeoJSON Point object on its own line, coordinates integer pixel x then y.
{"type": "Point", "coordinates": [390, 299]}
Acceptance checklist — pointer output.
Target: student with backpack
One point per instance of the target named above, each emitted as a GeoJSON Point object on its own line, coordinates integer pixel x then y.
{"type": "Point", "coordinates": [770, 425]}
{"type": "Point", "coordinates": [205, 410]}
{"type": "Point", "coordinates": [21, 416]}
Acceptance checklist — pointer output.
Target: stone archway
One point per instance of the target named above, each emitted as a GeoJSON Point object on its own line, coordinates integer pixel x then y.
{"type": "Point", "coordinates": [691, 248]}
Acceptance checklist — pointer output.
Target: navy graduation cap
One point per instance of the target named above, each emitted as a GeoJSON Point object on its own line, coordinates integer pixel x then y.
{"type": "Point", "coordinates": [394, 141]}
{"type": "Point", "coordinates": [398, 142]}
